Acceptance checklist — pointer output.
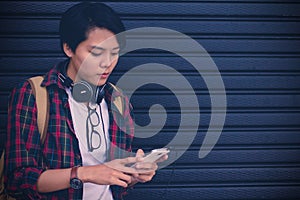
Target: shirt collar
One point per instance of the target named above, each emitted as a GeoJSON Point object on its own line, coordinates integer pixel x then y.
{"type": "Point", "coordinates": [51, 78]}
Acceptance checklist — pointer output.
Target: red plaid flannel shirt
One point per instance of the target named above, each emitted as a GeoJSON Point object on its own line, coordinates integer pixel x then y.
{"type": "Point", "coordinates": [27, 158]}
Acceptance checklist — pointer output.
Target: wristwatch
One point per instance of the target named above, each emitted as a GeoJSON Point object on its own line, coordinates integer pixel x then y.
{"type": "Point", "coordinates": [75, 182]}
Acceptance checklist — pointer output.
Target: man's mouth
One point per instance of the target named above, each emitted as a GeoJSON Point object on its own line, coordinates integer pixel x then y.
{"type": "Point", "coordinates": [104, 75]}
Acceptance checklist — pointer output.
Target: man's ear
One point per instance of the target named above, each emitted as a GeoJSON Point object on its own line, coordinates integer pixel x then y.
{"type": "Point", "coordinates": [68, 51]}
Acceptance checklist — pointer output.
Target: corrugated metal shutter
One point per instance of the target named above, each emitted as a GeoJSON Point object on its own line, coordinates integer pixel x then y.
{"type": "Point", "coordinates": [256, 47]}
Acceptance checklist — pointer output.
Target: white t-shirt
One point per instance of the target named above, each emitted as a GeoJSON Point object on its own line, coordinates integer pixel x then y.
{"type": "Point", "coordinates": [79, 112]}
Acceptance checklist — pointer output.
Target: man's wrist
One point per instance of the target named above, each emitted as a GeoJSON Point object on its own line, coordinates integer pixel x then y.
{"type": "Point", "coordinates": [75, 181]}
{"type": "Point", "coordinates": [81, 174]}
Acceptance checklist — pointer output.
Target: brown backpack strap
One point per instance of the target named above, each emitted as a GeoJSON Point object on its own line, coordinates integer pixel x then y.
{"type": "Point", "coordinates": [42, 103]}
{"type": "Point", "coordinates": [118, 101]}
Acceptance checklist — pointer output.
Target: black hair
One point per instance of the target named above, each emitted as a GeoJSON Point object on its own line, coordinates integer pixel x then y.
{"type": "Point", "coordinates": [78, 20]}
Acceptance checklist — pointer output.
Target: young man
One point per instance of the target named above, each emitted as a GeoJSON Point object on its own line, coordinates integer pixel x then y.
{"type": "Point", "coordinates": [82, 156]}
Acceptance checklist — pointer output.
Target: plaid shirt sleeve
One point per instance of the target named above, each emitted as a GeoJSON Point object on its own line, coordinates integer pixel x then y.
{"type": "Point", "coordinates": [23, 144]}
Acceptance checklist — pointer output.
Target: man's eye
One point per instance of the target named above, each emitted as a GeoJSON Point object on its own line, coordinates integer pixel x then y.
{"type": "Point", "coordinates": [96, 53]}
{"type": "Point", "coordinates": [114, 53]}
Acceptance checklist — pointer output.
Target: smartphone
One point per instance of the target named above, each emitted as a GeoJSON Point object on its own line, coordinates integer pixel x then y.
{"type": "Point", "coordinates": [154, 155]}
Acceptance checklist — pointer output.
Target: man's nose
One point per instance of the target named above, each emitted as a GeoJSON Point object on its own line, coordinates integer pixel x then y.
{"type": "Point", "coordinates": [106, 60]}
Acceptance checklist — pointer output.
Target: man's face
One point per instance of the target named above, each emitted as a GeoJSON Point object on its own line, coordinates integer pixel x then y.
{"type": "Point", "coordinates": [95, 58]}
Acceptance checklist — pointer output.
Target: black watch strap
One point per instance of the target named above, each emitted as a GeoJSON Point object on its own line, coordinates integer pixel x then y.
{"type": "Point", "coordinates": [75, 182]}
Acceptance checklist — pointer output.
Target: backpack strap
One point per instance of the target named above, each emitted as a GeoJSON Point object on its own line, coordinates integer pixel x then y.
{"type": "Point", "coordinates": [41, 96]}
{"type": "Point", "coordinates": [118, 101]}
{"type": "Point", "coordinates": [42, 103]}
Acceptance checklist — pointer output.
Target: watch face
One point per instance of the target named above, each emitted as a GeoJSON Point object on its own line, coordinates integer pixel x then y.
{"type": "Point", "coordinates": [76, 183]}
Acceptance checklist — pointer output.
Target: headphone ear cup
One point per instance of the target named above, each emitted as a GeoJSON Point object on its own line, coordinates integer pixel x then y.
{"type": "Point", "coordinates": [82, 91]}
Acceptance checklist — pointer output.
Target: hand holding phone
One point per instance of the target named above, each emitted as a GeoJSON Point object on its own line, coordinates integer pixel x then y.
{"type": "Point", "coordinates": [154, 155]}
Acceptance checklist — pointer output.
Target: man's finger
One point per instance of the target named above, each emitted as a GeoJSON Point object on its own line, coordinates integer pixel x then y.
{"type": "Point", "coordinates": [140, 153]}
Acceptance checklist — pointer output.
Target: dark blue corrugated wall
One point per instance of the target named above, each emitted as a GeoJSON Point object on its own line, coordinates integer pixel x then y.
{"type": "Point", "coordinates": [256, 47]}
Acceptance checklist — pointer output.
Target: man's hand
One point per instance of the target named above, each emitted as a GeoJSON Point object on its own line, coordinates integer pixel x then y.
{"type": "Point", "coordinates": [124, 164]}
{"type": "Point", "coordinates": [115, 172]}
{"type": "Point", "coordinates": [145, 170]}
{"type": "Point", "coordinates": [120, 171]}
